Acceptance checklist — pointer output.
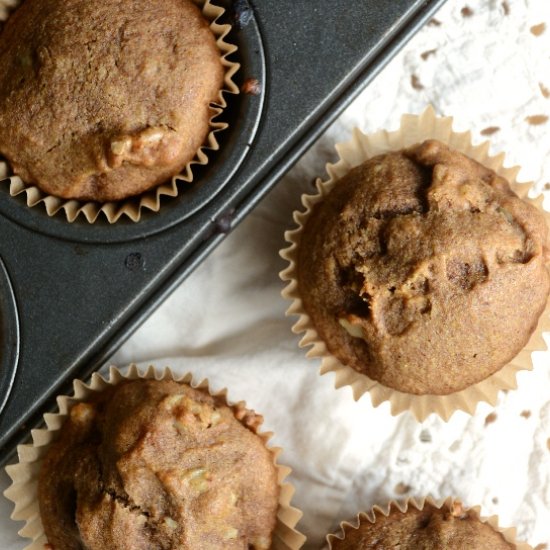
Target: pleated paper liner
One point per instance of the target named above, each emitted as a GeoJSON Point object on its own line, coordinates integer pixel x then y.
{"type": "Point", "coordinates": [414, 129]}
{"type": "Point", "coordinates": [509, 534]}
{"type": "Point", "coordinates": [24, 475]}
{"type": "Point", "coordinates": [150, 200]}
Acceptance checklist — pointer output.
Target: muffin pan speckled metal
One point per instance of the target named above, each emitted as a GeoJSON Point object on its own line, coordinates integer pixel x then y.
{"type": "Point", "coordinates": [70, 294]}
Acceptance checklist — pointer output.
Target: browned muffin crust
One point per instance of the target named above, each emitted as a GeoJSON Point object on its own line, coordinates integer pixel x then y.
{"type": "Point", "coordinates": [104, 99]}
{"type": "Point", "coordinates": [157, 465]}
{"type": "Point", "coordinates": [423, 270]}
{"type": "Point", "coordinates": [427, 529]}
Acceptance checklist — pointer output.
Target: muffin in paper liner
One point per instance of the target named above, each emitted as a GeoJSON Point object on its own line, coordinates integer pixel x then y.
{"type": "Point", "coordinates": [132, 207]}
{"type": "Point", "coordinates": [509, 534]}
{"type": "Point", "coordinates": [24, 474]}
{"type": "Point", "coordinates": [413, 129]}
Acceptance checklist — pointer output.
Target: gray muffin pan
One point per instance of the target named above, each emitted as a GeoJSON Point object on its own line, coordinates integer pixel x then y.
{"type": "Point", "coordinates": [70, 294]}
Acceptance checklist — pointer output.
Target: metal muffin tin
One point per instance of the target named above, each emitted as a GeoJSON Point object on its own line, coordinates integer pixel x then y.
{"type": "Point", "coordinates": [70, 294]}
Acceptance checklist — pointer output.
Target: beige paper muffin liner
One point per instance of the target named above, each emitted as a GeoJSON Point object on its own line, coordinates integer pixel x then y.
{"type": "Point", "coordinates": [24, 475]}
{"type": "Point", "coordinates": [413, 129]}
{"type": "Point", "coordinates": [149, 200]}
{"type": "Point", "coordinates": [509, 534]}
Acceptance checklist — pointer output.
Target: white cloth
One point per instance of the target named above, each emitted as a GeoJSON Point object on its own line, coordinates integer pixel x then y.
{"type": "Point", "coordinates": [227, 323]}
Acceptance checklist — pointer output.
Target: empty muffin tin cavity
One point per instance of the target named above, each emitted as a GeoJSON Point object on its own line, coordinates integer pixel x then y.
{"type": "Point", "coordinates": [9, 336]}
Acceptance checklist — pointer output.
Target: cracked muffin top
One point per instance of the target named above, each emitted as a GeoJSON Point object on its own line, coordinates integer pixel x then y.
{"type": "Point", "coordinates": [103, 99]}
{"type": "Point", "coordinates": [431, 528]}
{"type": "Point", "coordinates": [158, 465]}
{"type": "Point", "coordinates": [423, 270]}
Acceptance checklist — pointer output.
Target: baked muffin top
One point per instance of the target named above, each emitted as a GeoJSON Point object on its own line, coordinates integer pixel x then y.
{"type": "Point", "coordinates": [429, 529]}
{"type": "Point", "coordinates": [103, 99]}
{"type": "Point", "coordinates": [423, 270]}
{"type": "Point", "coordinates": [158, 465]}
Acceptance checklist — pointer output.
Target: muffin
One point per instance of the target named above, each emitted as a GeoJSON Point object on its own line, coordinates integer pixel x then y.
{"type": "Point", "coordinates": [431, 528]}
{"type": "Point", "coordinates": [423, 270]}
{"type": "Point", "coordinates": [158, 464]}
{"type": "Point", "coordinates": [102, 100]}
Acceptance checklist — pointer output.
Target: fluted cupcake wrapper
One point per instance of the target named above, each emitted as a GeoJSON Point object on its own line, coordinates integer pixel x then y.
{"type": "Point", "coordinates": [24, 475]}
{"type": "Point", "coordinates": [509, 534]}
{"type": "Point", "coordinates": [413, 129]}
{"type": "Point", "coordinates": [133, 207]}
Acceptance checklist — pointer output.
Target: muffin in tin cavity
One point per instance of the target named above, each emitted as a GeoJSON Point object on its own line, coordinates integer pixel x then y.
{"type": "Point", "coordinates": [449, 526]}
{"type": "Point", "coordinates": [152, 464]}
{"type": "Point", "coordinates": [423, 270]}
{"type": "Point", "coordinates": [103, 100]}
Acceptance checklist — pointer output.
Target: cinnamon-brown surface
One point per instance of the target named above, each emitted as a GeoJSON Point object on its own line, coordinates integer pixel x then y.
{"type": "Point", "coordinates": [428, 529]}
{"type": "Point", "coordinates": [152, 465]}
{"type": "Point", "coordinates": [423, 270]}
{"type": "Point", "coordinates": [104, 99]}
